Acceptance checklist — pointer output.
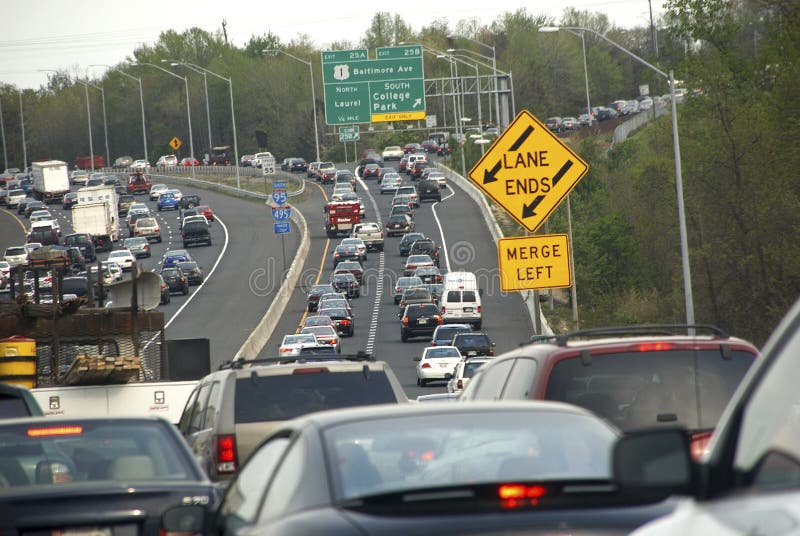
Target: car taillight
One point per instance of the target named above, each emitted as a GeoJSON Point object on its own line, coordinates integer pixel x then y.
{"type": "Point", "coordinates": [479, 308]}
{"type": "Point", "coordinates": [183, 279]}
{"type": "Point", "coordinates": [460, 384]}
{"type": "Point", "coordinates": [443, 310]}
{"type": "Point", "coordinates": [491, 350]}
{"type": "Point", "coordinates": [226, 454]}
{"type": "Point", "coordinates": [405, 320]}
{"type": "Point", "coordinates": [345, 322]}
{"type": "Point", "coordinates": [425, 365]}
{"type": "Point", "coordinates": [439, 319]}
{"type": "Point", "coordinates": [284, 350]}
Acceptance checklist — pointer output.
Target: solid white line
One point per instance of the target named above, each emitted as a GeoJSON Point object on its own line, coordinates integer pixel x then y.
{"type": "Point", "coordinates": [439, 225]}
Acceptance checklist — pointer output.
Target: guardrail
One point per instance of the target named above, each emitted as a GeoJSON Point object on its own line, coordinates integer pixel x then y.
{"type": "Point", "coordinates": [233, 189]}
{"type": "Point", "coordinates": [528, 297]}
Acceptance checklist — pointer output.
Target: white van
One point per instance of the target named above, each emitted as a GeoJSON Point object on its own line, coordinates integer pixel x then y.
{"type": "Point", "coordinates": [461, 299]}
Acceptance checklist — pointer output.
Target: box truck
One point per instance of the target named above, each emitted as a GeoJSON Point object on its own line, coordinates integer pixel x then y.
{"type": "Point", "coordinates": [50, 180]}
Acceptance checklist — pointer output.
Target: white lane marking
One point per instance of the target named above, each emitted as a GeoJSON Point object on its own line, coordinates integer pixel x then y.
{"type": "Point", "coordinates": [439, 225]}
{"type": "Point", "coordinates": [205, 280]}
{"type": "Point", "coordinates": [376, 304]}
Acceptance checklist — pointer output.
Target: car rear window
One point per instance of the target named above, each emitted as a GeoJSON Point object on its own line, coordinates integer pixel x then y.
{"type": "Point", "coordinates": [281, 397]}
{"type": "Point", "coordinates": [468, 296]}
{"type": "Point", "coordinates": [645, 389]}
{"type": "Point", "coordinates": [471, 340]}
{"type": "Point", "coordinates": [454, 296]}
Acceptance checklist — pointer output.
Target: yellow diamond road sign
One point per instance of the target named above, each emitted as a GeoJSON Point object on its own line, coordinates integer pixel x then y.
{"type": "Point", "coordinates": [528, 171]}
{"type": "Point", "coordinates": [534, 262]}
{"type": "Point", "coordinates": [175, 143]}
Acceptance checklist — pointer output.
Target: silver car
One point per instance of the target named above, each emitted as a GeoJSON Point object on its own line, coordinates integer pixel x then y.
{"type": "Point", "coordinates": [139, 246]}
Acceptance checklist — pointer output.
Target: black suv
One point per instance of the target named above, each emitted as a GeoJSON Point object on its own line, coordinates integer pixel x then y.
{"type": "Point", "coordinates": [473, 343]}
{"type": "Point", "coordinates": [426, 246]}
{"type": "Point", "coordinates": [429, 189]}
{"type": "Point", "coordinates": [175, 279]}
{"type": "Point", "coordinates": [314, 294]}
{"type": "Point", "coordinates": [195, 232]}
{"type": "Point", "coordinates": [189, 201]}
{"type": "Point", "coordinates": [419, 321]}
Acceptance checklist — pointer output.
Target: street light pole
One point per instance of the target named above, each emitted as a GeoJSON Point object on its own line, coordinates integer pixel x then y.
{"type": "Point", "coordinates": [22, 127]}
{"type": "Point", "coordinates": [198, 70]}
{"type": "Point", "coordinates": [3, 133]}
{"type": "Point", "coordinates": [233, 116]}
{"type": "Point", "coordinates": [273, 51]}
{"type": "Point", "coordinates": [141, 102]}
{"type": "Point", "coordinates": [188, 107]}
{"type": "Point", "coordinates": [687, 274]}
{"type": "Point", "coordinates": [494, 80]}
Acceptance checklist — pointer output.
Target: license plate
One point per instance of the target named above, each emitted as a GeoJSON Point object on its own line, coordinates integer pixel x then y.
{"type": "Point", "coordinates": [467, 309]}
{"type": "Point", "coordinates": [84, 531]}
{"type": "Point", "coordinates": [395, 226]}
{"type": "Point", "coordinates": [472, 352]}
{"type": "Point", "coordinates": [444, 365]}
{"type": "Point", "coordinates": [423, 321]}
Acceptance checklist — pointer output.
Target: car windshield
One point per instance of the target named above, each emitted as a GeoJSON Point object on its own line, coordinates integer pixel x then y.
{"type": "Point", "coordinates": [60, 454]}
{"type": "Point", "coordinates": [320, 331]}
{"type": "Point", "coordinates": [465, 448]}
{"type": "Point", "coordinates": [645, 389]}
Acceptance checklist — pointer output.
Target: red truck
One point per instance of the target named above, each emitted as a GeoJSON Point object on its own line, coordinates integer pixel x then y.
{"type": "Point", "coordinates": [85, 162]}
{"type": "Point", "coordinates": [342, 216]}
{"type": "Point", "coordinates": [139, 183]}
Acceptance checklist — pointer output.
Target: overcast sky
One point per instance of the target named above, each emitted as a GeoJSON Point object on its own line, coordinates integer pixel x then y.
{"type": "Point", "coordinates": [69, 34]}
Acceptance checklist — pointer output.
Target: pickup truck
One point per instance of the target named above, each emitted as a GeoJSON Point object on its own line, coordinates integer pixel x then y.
{"type": "Point", "coordinates": [370, 233]}
{"type": "Point", "coordinates": [139, 183]}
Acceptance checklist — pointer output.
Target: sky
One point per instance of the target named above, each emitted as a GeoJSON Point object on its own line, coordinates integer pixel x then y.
{"type": "Point", "coordinates": [43, 35]}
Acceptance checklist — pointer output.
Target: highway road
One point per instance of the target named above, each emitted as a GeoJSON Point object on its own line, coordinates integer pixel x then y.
{"type": "Point", "coordinates": [242, 256]}
{"type": "Point", "coordinates": [454, 223]}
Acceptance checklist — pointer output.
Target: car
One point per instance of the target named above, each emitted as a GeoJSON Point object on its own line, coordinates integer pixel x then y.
{"type": "Point", "coordinates": [392, 152]}
{"type": "Point", "coordinates": [43, 235]}
{"type": "Point", "coordinates": [428, 274]}
{"type": "Point", "coordinates": [404, 283]}
{"type": "Point", "coordinates": [189, 201]}
{"type": "Point", "coordinates": [409, 191]}
{"type": "Point", "coordinates": [399, 224]}
{"type": "Point", "coordinates": [292, 343]}
{"type": "Point", "coordinates": [33, 205]}
{"type": "Point", "coordinates": [430, 146]}
{"type": "Point", "coordinates": [174, 256]}
{"type": "Point", "coordinates": [167, 160]}
{"type": "Point", "coordinates": [78, 176]}
{"type": "Point", "coordinates": [342, 319]}
{"type": "Point", "coordinates": [415, 296]}
{"type": "Point", "coordinates": [314, 294]}
{"type": "Point", "coordinates": [318, 320]}
{"type": "Point", "coordinates": [140, 164]}
{"type": "Point", "coordinates": [133, 216]}
{"type": "Point", "coordinates": [195, 232]}
{"type": "Point", "coordinates": [429, 189]}
{"type": "Point", "coordinates": [40, 215]}
{"type": "Point", "coordinates": [408, 241]}
{"type": "Point", "coordinates": [156, 190]}
{"type": "Point", "coordinates": [138, 245]}
{"type": "Point", "coordinates": [167, 201]}
{"type": "Point", "coordinates": [107, 276]}
{"type": "Point", "coordinates": [340, 192]}
{"type": "Point", "coordinates": [498, 468]}
{"type": "Point", "coordinates": [747, 480]}
{"type": "Point", "coordinates": [352, 267]}
{"type": "Point", "coordinates": [402, 165]}
{"type": "Point", "coordinates": [412, 148]}
{"type": "Point", "coordinates": [473, 344]}
{"type": "Point", "coordinates": [419, 320]}
{"type": "Point", "coordinates": [189, 162]}
{"type": "Point", "coordinates": [640, 376]}
{"type": "Point", "coordinates": [401, 209]}
{"type": "Point", "coordinates": [371, 171]}
{"type": "Point", "coordinates": [334, 300]}
{"type": "Point", "coordinates": [325, 335]}
{"type": "Point", "coordinates": [239, 405]}
{"type": "Point", "coordinates": [123, 257]}
{"type": "Point", "coordinates": [418, 170]}
{"type": "Point", "coordinates": [16, 255]}
{"type": "Point", "coordinates": [586, 119]}
{"type": "Point", "coordinates": [124, 203]}
{"type": "Point", "coordinates": [436, 363]}
{"type": "Point", "coordinates": [426, 246]}
{"type": "Point", "coordinates": [206, 211]}
{"type": "Point", "coordinates": [148, 228]}
{"type": "Point", "coordinates": [345, 253]}
{"type": "Point", "coordinates": [358, 243]}
{"type": "Point", "coordinates": [106, 473]}
{"type": "Point", "coordinates": [297, 164]}
{"type": "Point", "coordinates": [554, 124]}
{"type": "Point", "coordinates": [175, 279]}
{"type": "Point", "coordinates": [570, 123]}
{"type": "Point", "coordinates": [123, 162]}
{"type": "Point", "coordinates": [15, 197]}
{"type": "Point", "coordinates": [193, 272]}
{"type": "Point", "coordinates": [311, 171]}
{"type": "Point", "coordinates": [83, 241]}
{"type": "Point", "coordinates": [415, 261]}
{"type": "Point", "coordinates": [326, 171]}
{"type": "Point", "coordinates": [346, 283]}
{"type": "Point", "coordinates": [390, 183]}
{"type": "Point", "coordinates": [464, 372]}
{"type": "Point", "coordinates": [166, 296]}
{"type": "Point", "coordinates": [443, 335]}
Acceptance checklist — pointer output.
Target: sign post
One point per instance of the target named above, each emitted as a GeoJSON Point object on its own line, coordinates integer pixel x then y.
{"type": "Point", "coordinates": [361, 90]}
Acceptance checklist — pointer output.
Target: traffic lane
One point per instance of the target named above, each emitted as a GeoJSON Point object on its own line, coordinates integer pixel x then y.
{"type": "Point", "coordinates": [245, 281]}
{"type": "Point", "coordinates": [317, 270]}
{"type": "Point", "coordinates": [12, 229]}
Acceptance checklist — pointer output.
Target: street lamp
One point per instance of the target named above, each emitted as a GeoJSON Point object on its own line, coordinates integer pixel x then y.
{"type": "Point", "coordinates": [105, 123]}
{"type": "Point", "coordinates": [457, 111]}
{"type": "Point", "coordinates": [274, 51]}
{"type": "Point", "coordinates": [494, 71]}
{"type": "Point", "coordinates": [687, 274]}
{"type": "Point", "coordinates": [188, 107]}
{"type": "Point", "coordinates": [22, 127]}
{"type": "Point", "coordinates": [477, 93]}
{"type": "Point", "coordinates": [3, 133]}
{"type": "Point", "coordinates": [191, 67]}
{"type": "Point", "coordinates": [233, 114]}
{"type": "Point", "coordinates": [141, 102]}
{"type": "Point", "coordinates": [88, 113]}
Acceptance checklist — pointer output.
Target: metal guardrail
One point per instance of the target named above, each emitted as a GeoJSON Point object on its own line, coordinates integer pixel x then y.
{"type": "Point", "coordinates": [627, 128]}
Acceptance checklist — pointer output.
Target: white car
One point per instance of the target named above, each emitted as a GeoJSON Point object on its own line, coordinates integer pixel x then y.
{"type": "Point", "coordinates": [177, 193]}
{"type": "Point", "coordinates": [437, 363]}
{"type": "Point", "coordinates": [79, 176]}
{"type": "Point", "coordinates": [392, 152]}
{"type": "Point", "coordinates": [439, 177]}
{"type": "Point", "coordinates": [108, 276]}
{"type": "Point", "coordinates": [30, 246]}
{"type": "Point", "coordinates": [167, 160]}
{"type": "Point", "coordinates": [114, 269]}
{"type": "Point", "coordinates": [39, 215]}
{"type": "Point", "coordinates": [140, 165]}
{"type": "Point", "coordinates": [15, 197]}
{"type": "Point", "coordinates": [16, 255]}
{"type": "Point", "coordinates": [359, 244]}
{"type": "Point", "coordinates": [326, 335]}
{"type": "Point", "coordinates": [123, 257]}
{"type": "Point", "coordinates": [463, 372]}
{"type": "Point", "coordinates": [5, 269]}
{"type": "Point", "coordinates": [156, 190]}
{"type": "Point", "coordinates": [292, 344]}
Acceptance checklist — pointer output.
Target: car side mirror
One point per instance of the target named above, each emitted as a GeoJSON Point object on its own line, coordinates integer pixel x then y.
{"type": "Point", "coordinates": [655, 464]}
{"type": "Point", "coordinates": [399, 315]}
{"type": "Point", "coordinates": [417, 358]}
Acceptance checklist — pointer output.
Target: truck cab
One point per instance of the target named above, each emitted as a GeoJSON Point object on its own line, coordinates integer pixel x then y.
{"type": "Point", "coordinates": [341, 217]}
{"type": "Point", "coordinates": [139, 183]}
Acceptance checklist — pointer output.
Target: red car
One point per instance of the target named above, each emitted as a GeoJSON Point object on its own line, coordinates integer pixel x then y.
{"type": "Point", "coordinates": [189, 161]}
{"type": "Point", "coordinates": [371, 171]}
{"type": "Point", "coordinates": [139, 183]}
{"type": "Point", "coordinates": [206, 211]}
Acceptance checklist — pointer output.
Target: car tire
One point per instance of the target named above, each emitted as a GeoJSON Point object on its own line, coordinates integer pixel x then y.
{"type": "Point", "coordinates": [477, 325]}
{"type": "Point", "coordinates": [423, 383]}
{"type": "Point", "coordinates": [159, 239]}
{"type": "Point", "coordinates": [185, 290]}
{"type": "Point", "coordinates": [418, 384]}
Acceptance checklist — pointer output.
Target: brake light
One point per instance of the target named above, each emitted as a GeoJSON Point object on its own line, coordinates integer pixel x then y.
{"type": "Point", "coordinates": [345, 322]}
{"type": "Point", "coordinates": [439, 319]}
{"type": "Point", "coordinates": [55, 431]}
{"type": "Point", "coordinates": [460, 384]}
{"type": "Point", "coordinates": [310, 370]}
{"type": "Point", "coordinates": [284, 350]}
{"type": "Point", "coordinates": [405, 320]}
{"type": "Point", "coordinates": [515, 495]}
{"type": "Point", "coordinates": [491, 350]}
{"type": "Point", "coordinates": [443, 310]}
{"type": "Point", "coordinates": [479, 308]}
{"type": "Point", "coordinates": [226, 454]}
{"type": "Point", "coordinates": [425, 365]}
{"type": "Point", "coordinates": [654, 346]}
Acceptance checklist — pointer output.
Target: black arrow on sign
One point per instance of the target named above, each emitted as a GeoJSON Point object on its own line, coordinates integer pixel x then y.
{"type": "Point", "coordinates": [564, 169]}
{"type": "Point", "coordinates": [521, 139]}
{"type": "Point", "coordinates": [489, 175]}
{"type": "Point", "coordinates": [530, 209]}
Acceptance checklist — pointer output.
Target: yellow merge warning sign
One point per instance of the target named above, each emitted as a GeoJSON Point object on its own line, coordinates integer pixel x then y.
{"type": "Point", "coordinates": [534, 262]}
{"type": "Point", "coordinates": [528, 171]}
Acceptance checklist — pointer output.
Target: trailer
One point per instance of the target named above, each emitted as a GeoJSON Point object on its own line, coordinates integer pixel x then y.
{"type": "Point", "coordinates": [106, 194]}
